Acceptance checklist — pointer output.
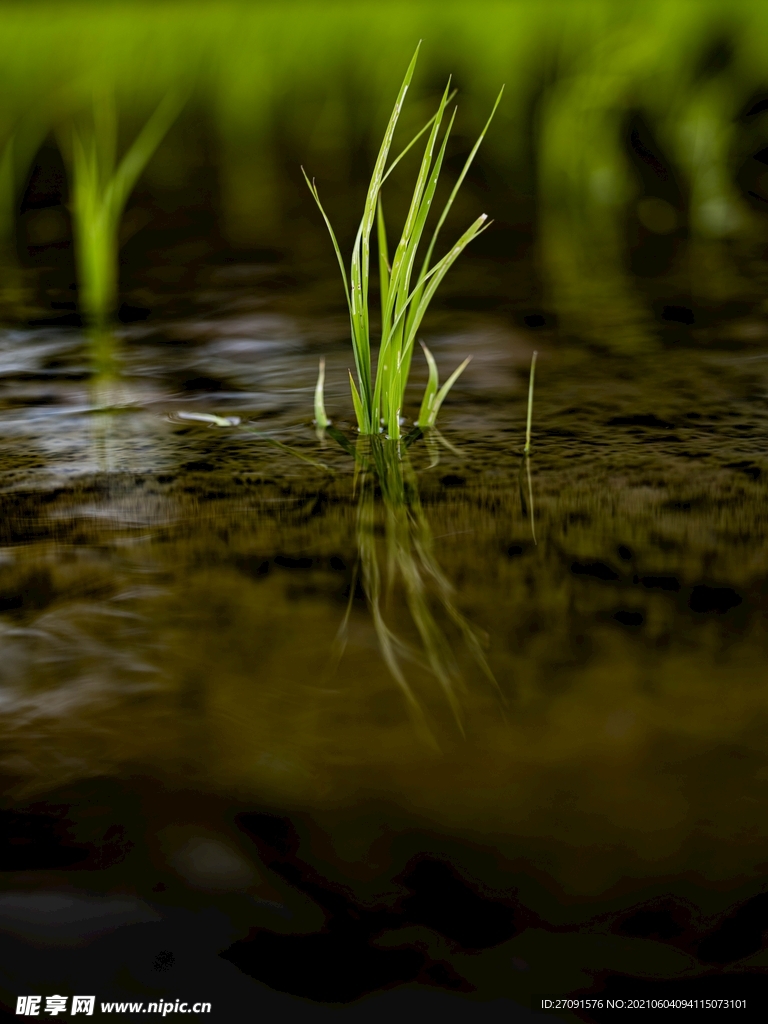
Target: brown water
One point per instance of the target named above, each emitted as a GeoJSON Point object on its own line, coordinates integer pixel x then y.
{"type": "Point", "coordinates": [331, 720]}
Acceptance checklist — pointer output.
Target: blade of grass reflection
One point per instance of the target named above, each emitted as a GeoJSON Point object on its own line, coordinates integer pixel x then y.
{"type": "Point", "coordinates": [433, 449]}
{"type": "Point", "coordinates": [393, 649]}
{"type": "Point", "coordinates": [527, 507]}
{"type": "Point", "coordinates": [530, 497]}
{"type": "Point", "coordinates": [433, 440]}
{"type": "Point", "coordinates": [527, 447]}
{"type": "Point", "coordinates": [287, 448]}
{"type": "Point", "coordinates": [434, 432]}
{"type": "Point", "coordinates": [424, 546]}
{"type": "Point", "coordinates": [408, 562]}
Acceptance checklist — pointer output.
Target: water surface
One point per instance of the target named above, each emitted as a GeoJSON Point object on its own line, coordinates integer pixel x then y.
{"type": "Point", "coordinates": [435, 716]}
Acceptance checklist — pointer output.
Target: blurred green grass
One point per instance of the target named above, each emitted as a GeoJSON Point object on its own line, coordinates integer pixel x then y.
{"type": "Point", "coordinates": [606, 106]}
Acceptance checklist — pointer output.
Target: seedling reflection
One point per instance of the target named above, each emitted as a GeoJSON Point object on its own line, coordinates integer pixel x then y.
{"type": "Point", "coordinates": [402, 574]}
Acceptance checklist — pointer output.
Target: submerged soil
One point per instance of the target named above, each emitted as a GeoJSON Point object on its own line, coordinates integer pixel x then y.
{"type": "Point", "coordinates": [283, 729]}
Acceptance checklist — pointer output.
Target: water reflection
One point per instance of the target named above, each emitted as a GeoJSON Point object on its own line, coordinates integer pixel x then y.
{"type": "Point", "coordinates": [526, 494]}
{"type": "Point", "coordinates": [404, 574]}
{"type": "Point", "coordinates": [107, 393]}
{"type": "Point", "coordinates": [104, 352]}
{"type": "Point", "coordinates": [172, 610]}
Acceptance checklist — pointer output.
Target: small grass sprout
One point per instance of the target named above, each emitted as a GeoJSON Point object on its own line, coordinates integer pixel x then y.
{"type": "Point", "coordinates": [321, 419]}
{"type": "Point", "coordinates": [405, 292]}
{"type": "Point", "coordinates": [433, 398]}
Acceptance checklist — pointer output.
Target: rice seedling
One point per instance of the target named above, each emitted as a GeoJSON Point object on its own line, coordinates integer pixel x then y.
{"type": "Point", "coordinates": [378, 394]}
{"type": "Point", "coordinates": [101, 187]}
{"type": "Point", "coordinates": [434, 395]}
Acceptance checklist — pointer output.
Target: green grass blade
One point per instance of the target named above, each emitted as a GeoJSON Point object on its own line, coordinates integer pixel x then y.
{"type": "Point", "coordinates": [438, 272]}
{"type": "Point", "coordinates": [331, 232]}
{"type": "Point", "coordinates": [441, 394]}
{"type": "Point", "coordinates": [95, 233]}
{"type": "Point", "coordinates": [360, 344]}
{"type": "Point", "coordinates": [381, 160]}
{"type": "Point", "coordinates": [362, 421]}
{"type": "Point", "coordinates": [399, 282]}
{"type": "Point", "coordinates": [460, 180]}
{"type": "Point", "coordinates": [430, 391]}
{"type": "Point", "coordinates": [361, 340]}
{"type": "Point", "coordinates": [384, 267]}
{"type": "Point", "coordinates": [404, 364]}
{"type": "Point", "coordinates": [446, 209]}
{"type": "Point", "coordinates": [413, 141]}
{"type": "Point", "coordinates": [392, 377]}
{"type": "Point", "coordinates": [105, 134]}
{"type": "Point", "coordinates": [435, 276]}
{"type": "Point", "coordinates": [425, 204]}
{"type": "Point", "coordinates": [100, 191]}
{"type": "Point", "coordinates": [321, 420]}
{"type": "Point", "coordinates": [360, 268]}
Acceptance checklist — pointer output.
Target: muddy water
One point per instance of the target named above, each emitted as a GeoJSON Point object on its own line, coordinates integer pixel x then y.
{"type": "Point", "coordinates": [289, 721]}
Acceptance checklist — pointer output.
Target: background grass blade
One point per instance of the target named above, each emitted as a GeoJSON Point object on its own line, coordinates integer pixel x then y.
{"type": "Point", "coordinates": [100, 192]}
{"type": "Point", "coordinates": [384, 267]}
